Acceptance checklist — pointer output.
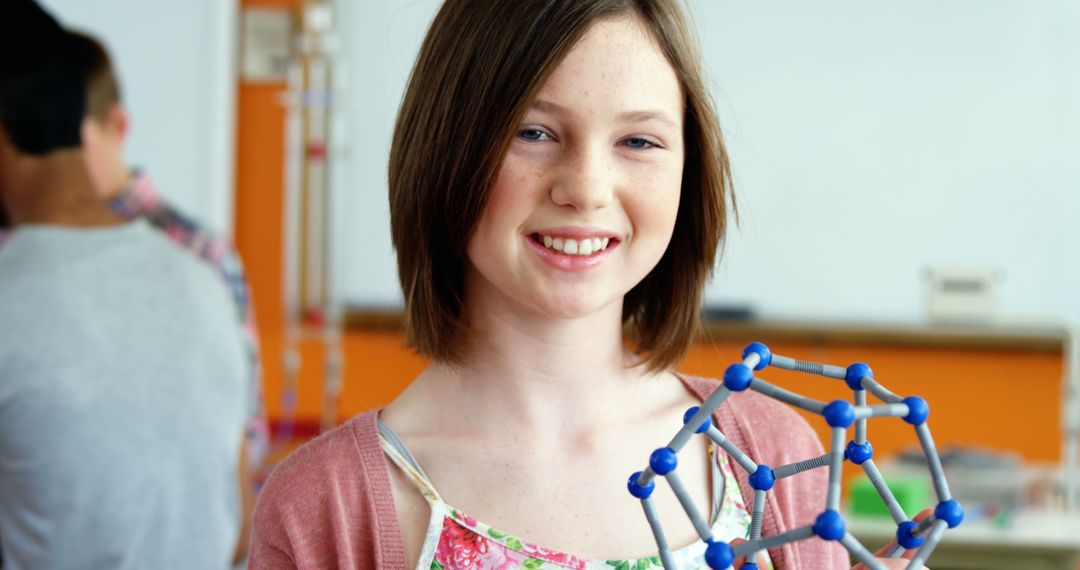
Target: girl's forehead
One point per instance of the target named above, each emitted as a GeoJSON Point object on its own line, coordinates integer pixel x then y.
{"type": "Point", "coordinates": [616, 66]}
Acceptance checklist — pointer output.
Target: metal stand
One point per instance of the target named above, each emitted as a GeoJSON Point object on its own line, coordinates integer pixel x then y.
{"type": "Point", "coordinates": [314, 134]}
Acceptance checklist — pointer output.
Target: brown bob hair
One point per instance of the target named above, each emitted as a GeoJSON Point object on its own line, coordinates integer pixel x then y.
{"type": "Point", "coordinates": [479, 68]}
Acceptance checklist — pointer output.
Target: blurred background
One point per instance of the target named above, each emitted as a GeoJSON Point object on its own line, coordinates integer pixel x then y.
{"type": "Point", "coordinates": [908, 189]}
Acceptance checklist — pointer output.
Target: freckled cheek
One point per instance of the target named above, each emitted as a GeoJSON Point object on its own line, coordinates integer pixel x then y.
{"type": "Point", "coordinates": [655, 204]}
{"type": "Point", "coordinates": [508, 207]}
{"type": "Point", "coordinates": [518, 177]}
{"type": "Point", "coordinates": [517, 190]}
{"type": "Point", "coordinates": [653, 222]}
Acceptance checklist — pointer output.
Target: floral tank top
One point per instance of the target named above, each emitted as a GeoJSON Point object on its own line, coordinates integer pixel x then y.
{"type": "Point", "coordinates": [457, 541]}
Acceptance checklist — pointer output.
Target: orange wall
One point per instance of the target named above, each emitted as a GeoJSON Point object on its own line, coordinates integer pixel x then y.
{"type": "Point", "coordinates": [1001, 399]}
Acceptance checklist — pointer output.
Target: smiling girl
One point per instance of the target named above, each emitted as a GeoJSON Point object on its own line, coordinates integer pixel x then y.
{"type": "Point", "coordinates": [557, 175]}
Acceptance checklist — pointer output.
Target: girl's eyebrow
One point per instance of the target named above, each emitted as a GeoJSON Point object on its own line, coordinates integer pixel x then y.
{"type": "Point", "coordinates": [545, 106]}
{"type": "Point", "coordinates": [642, 116]}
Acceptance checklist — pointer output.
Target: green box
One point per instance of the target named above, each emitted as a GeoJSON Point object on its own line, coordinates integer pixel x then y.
{"type": "Point", "coordinates": [913, 494]}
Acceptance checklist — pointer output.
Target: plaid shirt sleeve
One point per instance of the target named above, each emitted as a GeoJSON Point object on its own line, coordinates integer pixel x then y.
{"type": "Point", "coordinates": [141, 200]}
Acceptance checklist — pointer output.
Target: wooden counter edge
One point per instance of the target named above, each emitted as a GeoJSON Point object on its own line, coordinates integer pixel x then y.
{"type": "Point", "coordinates": [1032, 338]}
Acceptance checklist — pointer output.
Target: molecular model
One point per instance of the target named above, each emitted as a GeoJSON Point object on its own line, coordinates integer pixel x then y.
{"type": "Point", "coordinates": [840, 415]}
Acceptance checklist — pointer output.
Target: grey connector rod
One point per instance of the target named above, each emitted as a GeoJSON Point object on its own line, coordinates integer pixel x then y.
{"type": "Point", "coordinates": [937, 473]}
{"type": "Point", "coordinates": [874, 475]}
{"type": "Point", "coordinates": [879, 391]}
{"type": "Point", "coordinates": [737, 454]}
{"type": "Point", "coordinates": [806, 465]}
{"type": "Point", "coordinates": [827, 370]}
{"type": "Point", "coordinates": [774, 541]}
{"type": "Point", "coordinates": [808, 404]}
{"type": "Point", "coordinates": [860, 552]}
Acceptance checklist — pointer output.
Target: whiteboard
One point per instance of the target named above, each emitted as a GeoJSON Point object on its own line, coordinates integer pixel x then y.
{"type": "Point", "coordinates": [176, 63]}
{"type": "Point", "coordinates": [870, 141]}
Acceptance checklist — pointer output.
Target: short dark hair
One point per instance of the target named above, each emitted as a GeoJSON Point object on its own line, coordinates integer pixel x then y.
{"type": "Point", "coordinates": [480, 66]}
{"type": "Point", "coordinates": [42, 93]}
{"type": "Point", "coordinates": [102, 86]}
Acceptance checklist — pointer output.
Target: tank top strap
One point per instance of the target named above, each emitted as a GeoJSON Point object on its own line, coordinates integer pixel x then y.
{"type": "Point", "coordinates": [717, 479]}
{"type": "Point", "coordinates": [399, 454]}
{"type": "Point", "coordinates": [395, 449]}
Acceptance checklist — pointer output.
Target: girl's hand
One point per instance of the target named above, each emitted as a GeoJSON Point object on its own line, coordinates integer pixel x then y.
{"type": "Point", "coordinates": [896, 563]}
{"type": "Point", "coordinates": [890, 563]}
{"type": "Point", "coordinates": [742, 559]}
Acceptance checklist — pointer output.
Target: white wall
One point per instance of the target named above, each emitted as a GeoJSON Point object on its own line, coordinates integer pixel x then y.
{"type": "Point", "coordinates": [870, 140]}
{"type": "Point", "coordinates": [380, 41]}
{"type": "Point", "coordinates": [175, 60]}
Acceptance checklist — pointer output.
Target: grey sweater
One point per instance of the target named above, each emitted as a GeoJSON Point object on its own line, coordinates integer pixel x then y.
{"type": "Point", "coordinates": [122, 402]}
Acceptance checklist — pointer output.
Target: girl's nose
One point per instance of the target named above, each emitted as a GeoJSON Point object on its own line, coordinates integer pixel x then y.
{"type": "Point", "coordinates": [585, 182]}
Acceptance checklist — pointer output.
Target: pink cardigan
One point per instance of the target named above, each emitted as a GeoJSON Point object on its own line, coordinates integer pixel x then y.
{"type": "Point", "coordinates": [330, 505]}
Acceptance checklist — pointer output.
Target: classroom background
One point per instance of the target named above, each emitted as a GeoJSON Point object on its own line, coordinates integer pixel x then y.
{"type": "Point", "coordinates": [908, 188]}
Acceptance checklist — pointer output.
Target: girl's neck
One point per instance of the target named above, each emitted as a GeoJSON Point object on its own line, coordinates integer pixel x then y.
{"type": "Point", "coordinates": [542, 376]}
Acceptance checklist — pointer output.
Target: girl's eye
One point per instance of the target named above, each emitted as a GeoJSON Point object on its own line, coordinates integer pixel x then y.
{"type": "Point", "coordinates": [533, 135]}
{"type": "Point", "coordinates": [638, 143]}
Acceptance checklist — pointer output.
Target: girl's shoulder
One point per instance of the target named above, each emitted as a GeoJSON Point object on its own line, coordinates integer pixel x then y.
{"type": "Point", "coordinates": [760, 422]}
{"type": "Point", "coordinates": [331, 492]}
{"type": "Point", "coordinates": [336, 452]}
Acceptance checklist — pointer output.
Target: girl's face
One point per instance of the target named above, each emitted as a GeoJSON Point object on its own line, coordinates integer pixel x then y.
{"type": "Point", "coordinates": [585, 201]}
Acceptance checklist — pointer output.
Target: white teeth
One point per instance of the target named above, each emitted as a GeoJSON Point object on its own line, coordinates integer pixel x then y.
{"type": "Point", "coordinates": [569, 246]}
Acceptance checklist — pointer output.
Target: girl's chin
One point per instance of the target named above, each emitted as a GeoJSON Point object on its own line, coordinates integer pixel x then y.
{"type": "Point", "coordinates": [563, 308]}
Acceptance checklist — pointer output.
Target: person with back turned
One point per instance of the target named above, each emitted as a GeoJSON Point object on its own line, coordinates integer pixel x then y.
{"type": "Point", "coordinates": [122, 378]}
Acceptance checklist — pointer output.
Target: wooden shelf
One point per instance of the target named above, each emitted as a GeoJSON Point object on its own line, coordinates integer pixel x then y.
{"type": "Point", "coordinates": [374, 319]}
{"type": "Point", "coordinates": [990, 337]}
{"type": "Point", "coordinates": [998, 336]}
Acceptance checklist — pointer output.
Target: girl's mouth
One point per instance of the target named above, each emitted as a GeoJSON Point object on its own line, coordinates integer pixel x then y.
{"type": "Point", "coordinates": [568, 246]}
